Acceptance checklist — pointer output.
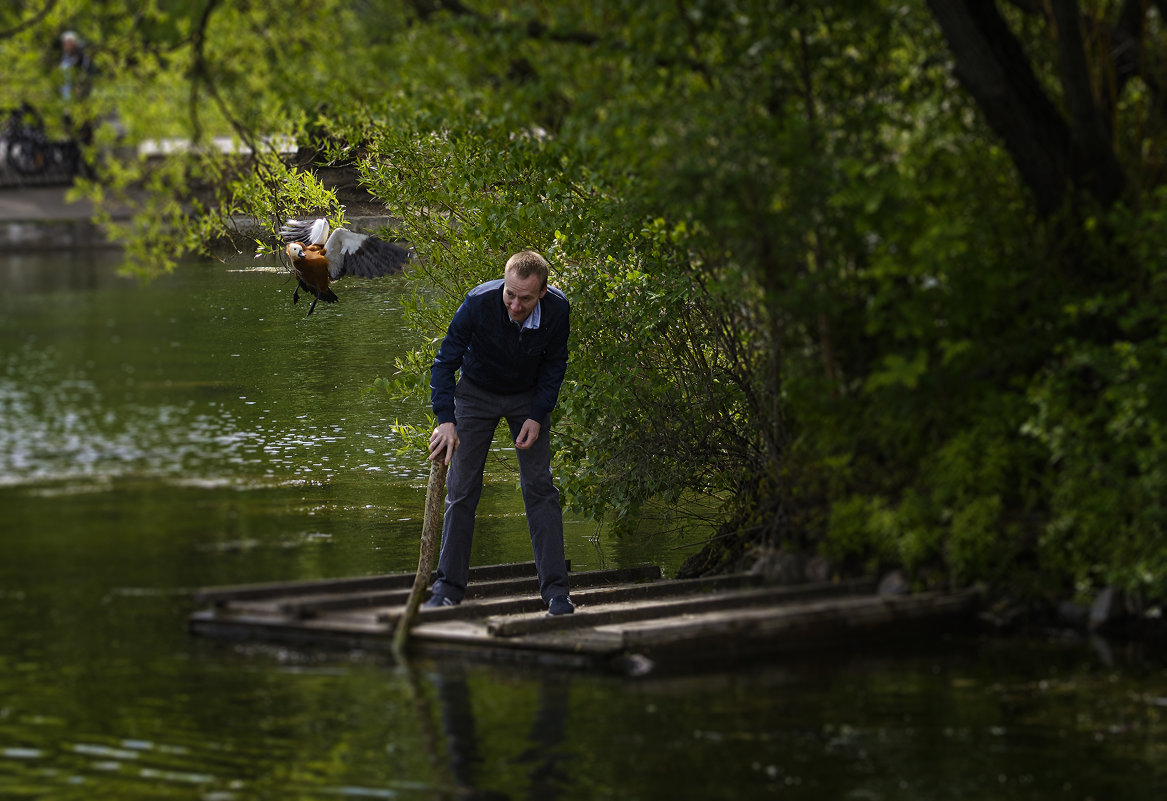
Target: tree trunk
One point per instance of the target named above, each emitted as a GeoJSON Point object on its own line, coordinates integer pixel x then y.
{"type": "Point", "coordinates": [1094, 164]}
{"type": "Point", "coordinates": [1052, 155]}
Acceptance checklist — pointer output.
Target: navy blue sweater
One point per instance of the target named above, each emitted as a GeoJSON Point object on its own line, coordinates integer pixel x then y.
{"type": "Point", "coordinates": [496, 355]}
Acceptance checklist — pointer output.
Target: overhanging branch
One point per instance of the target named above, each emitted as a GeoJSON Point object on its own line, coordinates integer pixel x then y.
{"type": "Point", "coordinates": [1052, 154]}
{"type": "Point", "coordinates": [30, 21]}
{"type": "Point", "coordinates": [1094, 163]}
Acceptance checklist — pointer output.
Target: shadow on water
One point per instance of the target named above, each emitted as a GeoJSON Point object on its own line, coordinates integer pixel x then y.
{"type": "Point", "coordinates": [201, 431]}
{"type": "Point", "coordinates": [62, 271]}
{"type": "Point", "coordinates": [541, 761]}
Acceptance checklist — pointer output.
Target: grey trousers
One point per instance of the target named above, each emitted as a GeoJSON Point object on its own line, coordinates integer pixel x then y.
{"type": "Point", "coordinates": [478, 412]}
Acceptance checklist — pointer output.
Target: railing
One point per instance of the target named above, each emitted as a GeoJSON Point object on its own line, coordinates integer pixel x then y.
{"type": "Point", "coordinates": [28, 157]}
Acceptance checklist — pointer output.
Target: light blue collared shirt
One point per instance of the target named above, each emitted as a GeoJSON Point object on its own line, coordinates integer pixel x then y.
{"type": "Point", "coordinates": [533, 319]}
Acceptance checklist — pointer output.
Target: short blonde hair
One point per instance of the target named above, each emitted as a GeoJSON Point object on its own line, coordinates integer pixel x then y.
{"type": "Point", "coordinates": [526, 263]}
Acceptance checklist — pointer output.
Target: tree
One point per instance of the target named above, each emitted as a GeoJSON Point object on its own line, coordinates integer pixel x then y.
{"type": "Point", "coordinates": [825, 299]}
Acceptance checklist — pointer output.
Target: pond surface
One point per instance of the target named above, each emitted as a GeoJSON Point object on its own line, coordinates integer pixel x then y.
{"type": "Point", "coordinates": [202, 431]}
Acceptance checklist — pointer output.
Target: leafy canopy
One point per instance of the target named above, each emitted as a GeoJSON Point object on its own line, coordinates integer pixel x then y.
{"type": "Point", "coordinates": [820, 302]}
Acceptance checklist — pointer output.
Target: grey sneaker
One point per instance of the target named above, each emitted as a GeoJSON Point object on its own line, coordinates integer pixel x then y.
{"type": "Point", "coordinates": [436, 601]}
{"type": "Point", "coordinates": [560, 605]}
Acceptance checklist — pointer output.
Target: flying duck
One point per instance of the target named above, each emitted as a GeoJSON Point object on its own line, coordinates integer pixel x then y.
{"type": "Point", "coordinates": [320, 256]}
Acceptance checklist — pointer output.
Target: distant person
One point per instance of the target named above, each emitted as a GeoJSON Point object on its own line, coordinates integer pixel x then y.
{"type": "Point", "coordinates": [509, 339]}
{"type": "Point", "coordinates": [76, 76]}
{"type": "Point", "coordinates": [76, 68]}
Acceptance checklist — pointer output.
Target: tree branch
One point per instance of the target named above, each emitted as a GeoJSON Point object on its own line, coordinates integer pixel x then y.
{"type": "Point", "coordinates": [428, 8]}
{"type": "Point", "coordinates": [991, 65]}
{"type": "Point", "coordinates": [1126, 51]}
{"type": "Point", "coordinates": [30, 21]}
{"type": "Point", "coordinates": [199, 71]}
{"type": "Point", "coordinates": [1094, 164]}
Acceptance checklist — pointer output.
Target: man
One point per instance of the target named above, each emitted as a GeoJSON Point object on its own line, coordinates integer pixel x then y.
{"type": "Point", "coordinates": [76, 67]}
{"type": "Point", "coordinates": [509, 338]}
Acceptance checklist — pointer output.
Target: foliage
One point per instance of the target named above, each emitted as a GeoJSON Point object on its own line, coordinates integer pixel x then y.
{"type": "Point", "coordinates": [815, 302]}
{"type": "Point", "coordinates": [1097, 409]}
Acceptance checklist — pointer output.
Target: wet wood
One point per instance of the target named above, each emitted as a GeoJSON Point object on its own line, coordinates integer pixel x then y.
{"type": "Point", "coordinates": [431, 532]}
{"type": "Point", "coordinates": [476, 590]}
{"type": "Point", "coordinates": [627, 620]}
{"type": "Point", "coordinates": [595, 588]}
{"type": "Point", "coordinates": [387, 581]}
{"type": "Point", "coordinates": [656, 608]}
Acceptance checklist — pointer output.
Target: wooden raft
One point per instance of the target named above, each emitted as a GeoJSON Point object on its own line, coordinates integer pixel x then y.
{"type": "Point", "coordinates": [629, 620]}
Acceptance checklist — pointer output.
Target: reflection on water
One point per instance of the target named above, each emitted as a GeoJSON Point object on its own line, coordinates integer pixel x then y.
{"type": "Point", "coordinates": [541, 760]}
{"type": "Point", "coordinates": [202, 431]}
{"type": "Point", "coordinates": [121, 381]}
{"type": "Point", "coordinates": [60, 426]}
{"type": "Point", "coordinates": [61, 271]}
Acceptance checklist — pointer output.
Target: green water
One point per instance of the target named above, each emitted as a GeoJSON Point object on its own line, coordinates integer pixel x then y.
{"type": "Point", "coordinates": [202, 431]}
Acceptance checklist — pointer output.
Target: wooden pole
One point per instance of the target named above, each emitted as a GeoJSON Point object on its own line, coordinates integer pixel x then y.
{"type": "Point", "coordinates": [431, 529]}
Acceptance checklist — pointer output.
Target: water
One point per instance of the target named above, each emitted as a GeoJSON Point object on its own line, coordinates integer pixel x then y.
{"type": "Point", "coordinates": [202, 431]}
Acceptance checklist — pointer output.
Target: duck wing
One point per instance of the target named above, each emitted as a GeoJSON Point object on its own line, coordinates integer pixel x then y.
{"type": "Point", "coordinates": [309, 232]}
{"type": "Point", "coordinates": [363, 255]}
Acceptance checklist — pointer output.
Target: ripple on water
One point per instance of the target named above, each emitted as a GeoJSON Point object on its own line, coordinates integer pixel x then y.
{"type": "Point", "coordinates": [68, 432]}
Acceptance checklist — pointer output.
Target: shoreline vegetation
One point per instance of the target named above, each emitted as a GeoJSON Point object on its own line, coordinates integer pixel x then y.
{"type": "Point", "coordinates": [1106, 611]}
{"type": "Point", "coordinates": [840, 287]}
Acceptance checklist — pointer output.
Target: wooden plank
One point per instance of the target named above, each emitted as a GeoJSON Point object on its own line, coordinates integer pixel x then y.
{"type": "Point", "coordinates": [643, 585]}
{"type": "Point", "coordinates": [613, 593]}
{"type": "Point", "coordinates": [345, 634]}
{"type": "Point", "coordinates": [718, 635]}
{"type": "Point", "coordinates": [477, 590]}
{"type": "Point", "coordinates": [528, 603]}
{"type": "Point", "coordinates": [303, 634]}
{"type": "Point", "coordinates": [245, 592]}
{"type": "Point", "coordinates": [624, 617]}
{"type": "Point", "coordinates": [824, 619]}
{"type": "Point", "coordinates": [389, 581]}
{"type": "Point", "coordinates": [472, 635]}
{"type": "Point", "coordinates": [312, 607]}
{"type": "Point", "coordinates": [648, 607]}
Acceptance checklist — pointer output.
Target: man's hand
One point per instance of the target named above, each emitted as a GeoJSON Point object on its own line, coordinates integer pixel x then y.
{"type": "Point", "coordinates": [528, 435]}
{"type": "Point", "coordinates": [443, 442]}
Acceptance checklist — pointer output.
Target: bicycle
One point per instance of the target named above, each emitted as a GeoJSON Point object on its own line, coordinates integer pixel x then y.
{"type": "Point", "coordinates": [29, 151]}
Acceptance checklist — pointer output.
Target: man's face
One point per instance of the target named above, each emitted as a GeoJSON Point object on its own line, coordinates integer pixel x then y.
{"type": "Point", "coordinates": [521, 294]}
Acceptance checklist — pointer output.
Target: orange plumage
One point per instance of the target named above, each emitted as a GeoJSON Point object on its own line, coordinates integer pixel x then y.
{"type": "Point", "coordinates": [310, 266]}
{"type": "Point", "coordinates": [332, 254]}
